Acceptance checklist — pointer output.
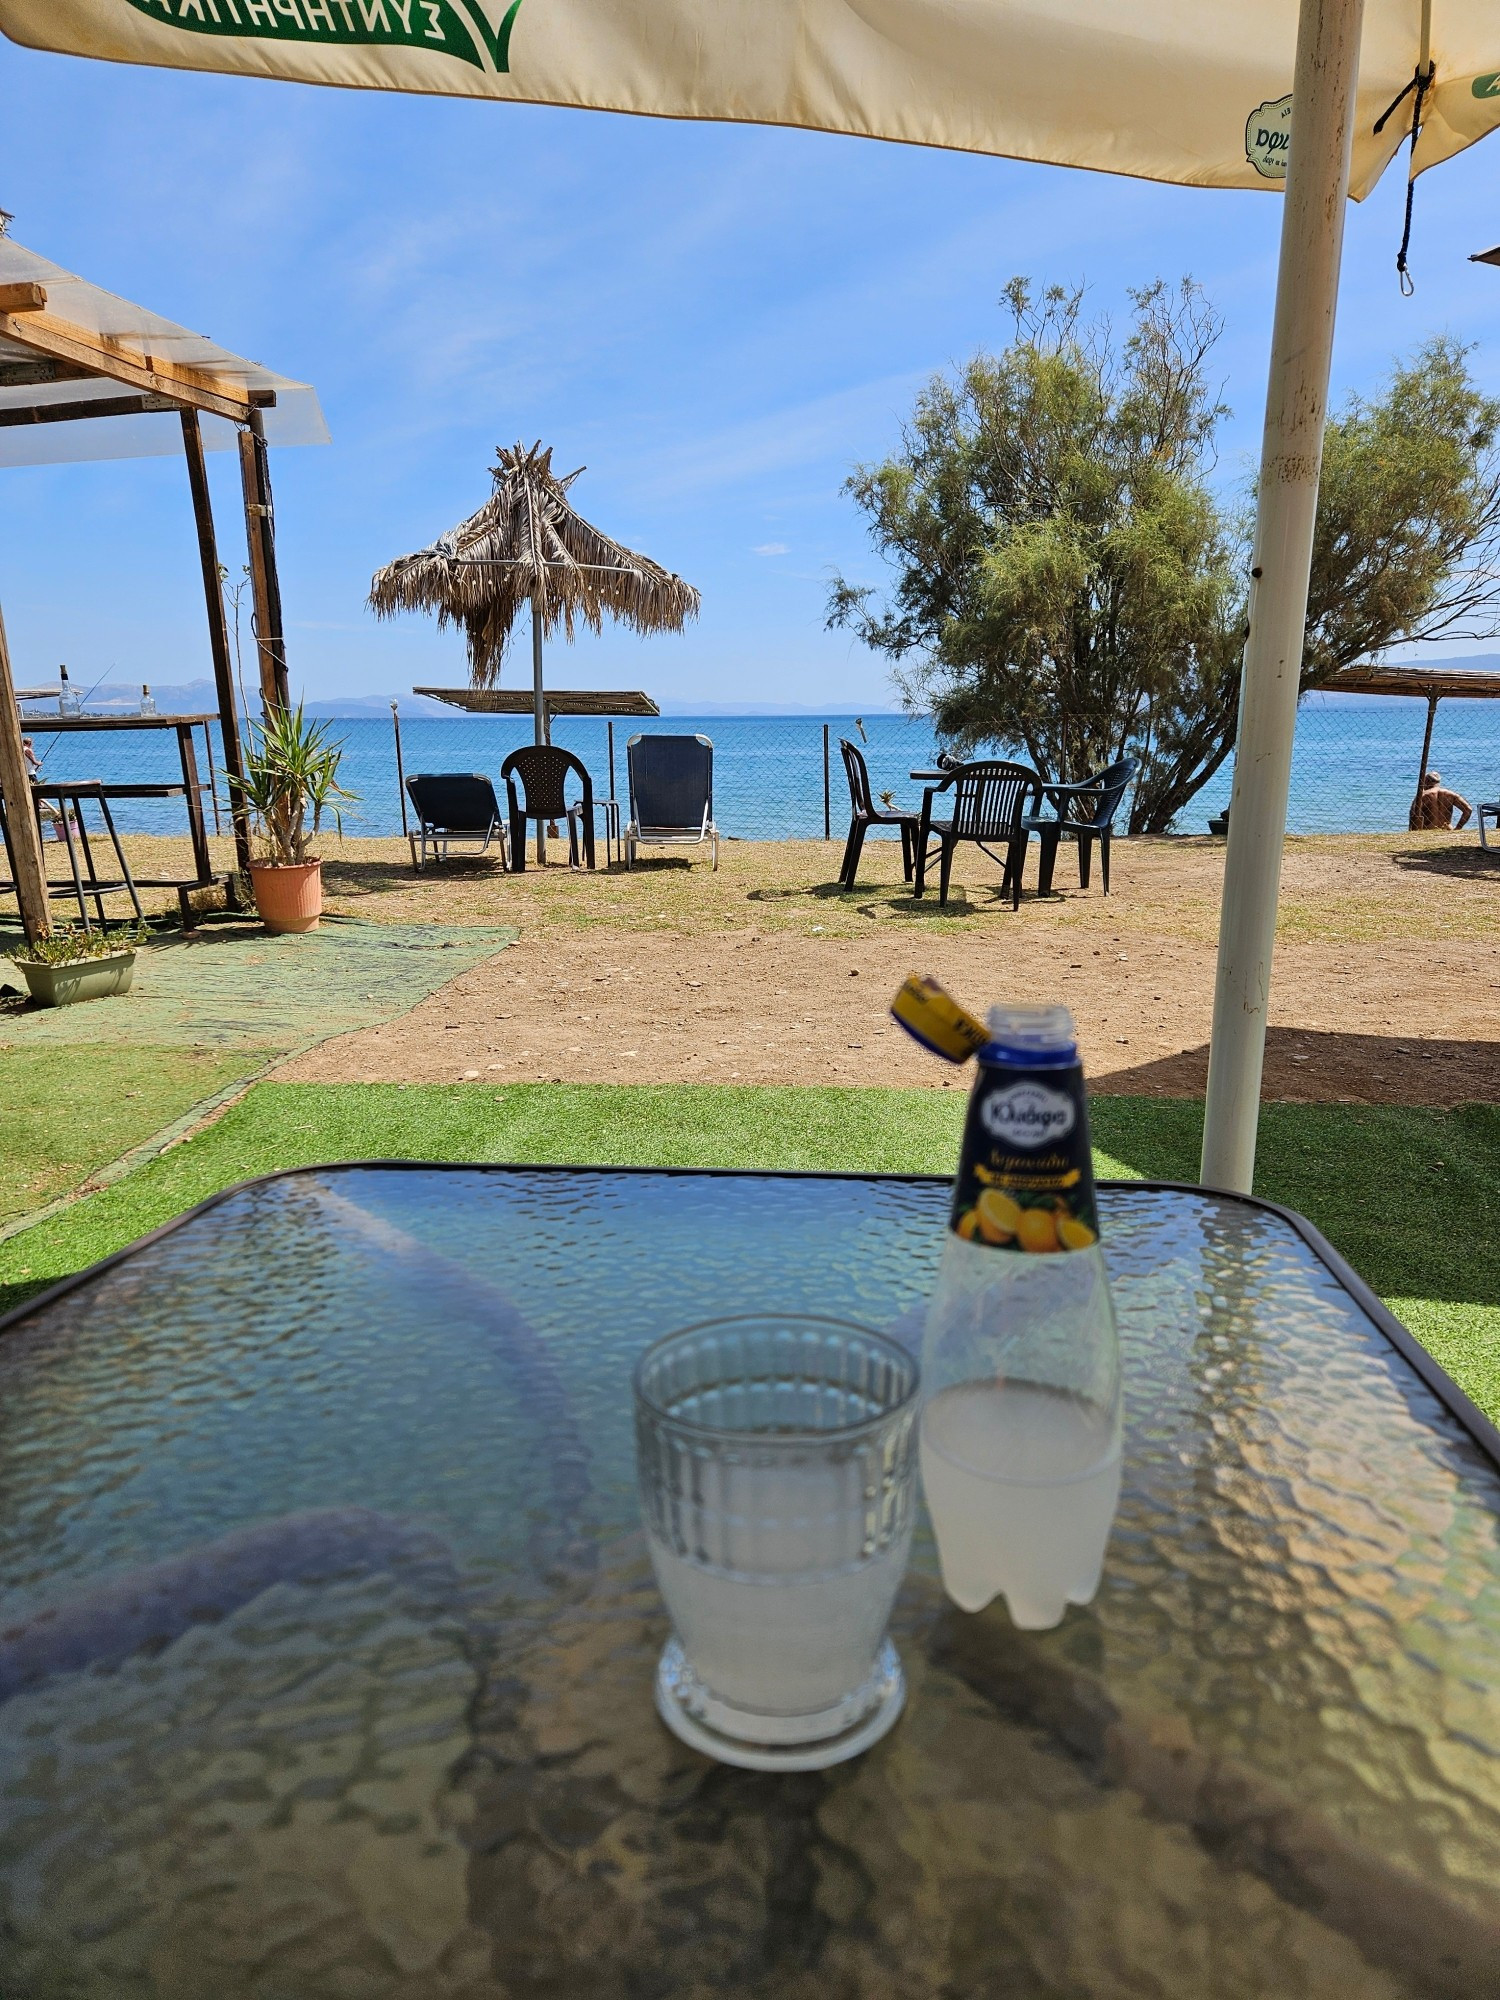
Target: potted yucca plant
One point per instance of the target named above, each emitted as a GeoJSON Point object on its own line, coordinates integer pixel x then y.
{"type": "Point", "coordinates": [291, 780]}
{"type": "Point", "coordinates": [75, 964]}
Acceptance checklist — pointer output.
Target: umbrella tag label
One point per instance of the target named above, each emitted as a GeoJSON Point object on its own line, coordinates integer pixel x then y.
{"type": "Point", "coordinates": [1268, 137]}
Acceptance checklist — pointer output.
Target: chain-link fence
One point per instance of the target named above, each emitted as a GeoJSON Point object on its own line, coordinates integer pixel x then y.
{"type": "Point", "coordinates": [1354, 769]}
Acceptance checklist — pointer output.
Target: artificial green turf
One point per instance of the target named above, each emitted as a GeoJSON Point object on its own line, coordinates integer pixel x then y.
{"type": "Point", "coordinates": [62, 1118]}
{"type": "Point", "coordinates": [1411, 1197]}
{"type": "Point", "coordinates": [667, 1125]}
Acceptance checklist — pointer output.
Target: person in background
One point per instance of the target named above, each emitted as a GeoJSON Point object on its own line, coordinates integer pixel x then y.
{"type": "Point", "coordinates": [1435, 805]}
{"type": "Point", "coordinates": [45, 807]}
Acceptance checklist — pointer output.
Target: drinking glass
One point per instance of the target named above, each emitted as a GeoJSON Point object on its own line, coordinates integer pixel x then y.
{"type": "Point", "coordinates": [776, 1458]}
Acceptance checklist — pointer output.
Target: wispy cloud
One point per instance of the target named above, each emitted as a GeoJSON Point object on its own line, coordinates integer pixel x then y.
{"type": "Point", "coordinates": [772, 549]}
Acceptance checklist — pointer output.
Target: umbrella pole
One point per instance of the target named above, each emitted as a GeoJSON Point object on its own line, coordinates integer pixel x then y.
{"type": "Point", "coordinates": [1312, 235]}
{"type": "Point", "coordinates": [538, 704]}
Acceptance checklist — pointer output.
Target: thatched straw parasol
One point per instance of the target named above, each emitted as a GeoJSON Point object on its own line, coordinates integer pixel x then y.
{"type": "Point", "coordinates": [527, 546]}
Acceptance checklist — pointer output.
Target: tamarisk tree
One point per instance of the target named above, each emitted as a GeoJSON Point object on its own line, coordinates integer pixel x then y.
{"type": "Point", "coordinates": [1067, 580]}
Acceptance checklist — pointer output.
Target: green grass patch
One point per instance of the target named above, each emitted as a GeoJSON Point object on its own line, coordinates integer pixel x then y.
{"type": "Point", "coordinates": [63, 1116]}
{"type": "Point", "coordinates": [663, 1125]}
{"type": "Point", "coordinates": [1411, 1197]}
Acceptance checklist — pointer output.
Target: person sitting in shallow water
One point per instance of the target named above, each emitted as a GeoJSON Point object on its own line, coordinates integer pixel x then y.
{"type": "Point", "coordinates": [1435, 805]}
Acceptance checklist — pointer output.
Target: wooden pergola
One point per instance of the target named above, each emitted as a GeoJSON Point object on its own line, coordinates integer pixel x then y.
{"type": "Point", "coordinates": [71, 354]}
{"type": "Point", "coordinates": [1426, 683]}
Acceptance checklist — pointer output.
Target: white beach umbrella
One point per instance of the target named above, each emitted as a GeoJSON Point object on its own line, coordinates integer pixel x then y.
{"type": "Point", "coordinates": [1210, 93]}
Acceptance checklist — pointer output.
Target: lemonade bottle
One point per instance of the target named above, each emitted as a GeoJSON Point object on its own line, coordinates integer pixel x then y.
{"type": "Point", "coordinates": [1020, 1429]}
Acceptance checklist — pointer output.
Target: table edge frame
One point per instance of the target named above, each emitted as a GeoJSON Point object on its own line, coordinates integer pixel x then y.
{"type": "Point", "coordinates": [1481, 1431]}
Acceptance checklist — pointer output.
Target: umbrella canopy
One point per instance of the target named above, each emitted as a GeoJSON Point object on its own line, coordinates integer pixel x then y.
{"type": "Point", "coordinates": [1176, 90]}
{"type": "Point", "coordinates": [528, 546]}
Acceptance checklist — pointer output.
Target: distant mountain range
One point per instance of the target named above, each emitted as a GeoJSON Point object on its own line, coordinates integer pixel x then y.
{"type": "Point", "coordinates": [198, 698]}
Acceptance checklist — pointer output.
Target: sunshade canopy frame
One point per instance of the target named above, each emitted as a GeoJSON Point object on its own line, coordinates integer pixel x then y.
{"type": "Point", "coordinates": [106, 361]}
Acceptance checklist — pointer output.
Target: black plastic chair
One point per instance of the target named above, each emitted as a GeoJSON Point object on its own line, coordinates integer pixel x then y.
{"type": "Point", "coordinates": [863, 816]}
{"type": "Point", "coordinates": [989, 807]}
{"type": "Point", "coordinates": [544, 771]}
{"type": "Point", "coordinates": [671, 794]}
{"type": "Point", "coordinates": [454, 805]}
{"type": "Point", "coordinates": [1086, 811]}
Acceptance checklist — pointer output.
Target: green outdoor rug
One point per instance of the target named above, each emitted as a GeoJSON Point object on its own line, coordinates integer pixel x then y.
{"type": "Point", "coordinates": [231, 985]}
{"type": "Point", "coordinates": [89, 1092]}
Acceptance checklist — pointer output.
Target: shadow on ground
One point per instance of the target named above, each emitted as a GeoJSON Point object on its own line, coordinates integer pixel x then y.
{"type": "Point", "coordinates": [1309, 1066]}
{"type": "Point", "coordinates": [1465, 863]}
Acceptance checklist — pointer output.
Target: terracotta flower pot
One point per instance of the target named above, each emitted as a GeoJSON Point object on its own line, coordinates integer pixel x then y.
{"type": "Point", "coordinates": [289, 897]}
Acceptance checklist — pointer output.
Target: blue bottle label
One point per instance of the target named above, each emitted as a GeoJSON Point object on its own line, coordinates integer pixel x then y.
{"type": "Point", "coordinates": [1026, 1173]}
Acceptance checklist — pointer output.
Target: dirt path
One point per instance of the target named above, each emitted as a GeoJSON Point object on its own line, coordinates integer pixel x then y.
{"type": "Point", "coordinates": [1387, 981]}
{"type": "Point", "coordinates": [753, 1007]}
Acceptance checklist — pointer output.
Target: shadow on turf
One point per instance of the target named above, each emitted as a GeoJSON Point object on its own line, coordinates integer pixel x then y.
{"type": "Point", "coordinates": [1308, 1066]}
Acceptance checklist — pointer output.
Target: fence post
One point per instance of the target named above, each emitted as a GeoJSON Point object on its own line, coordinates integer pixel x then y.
{"type": "Point", "coordinates": [827, 796]}
{"type": "Point", "coordinates": [611, 728]}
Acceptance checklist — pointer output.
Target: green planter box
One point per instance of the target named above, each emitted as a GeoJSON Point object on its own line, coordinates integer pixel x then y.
{"type": "Point", "coordinates": [83, 979]}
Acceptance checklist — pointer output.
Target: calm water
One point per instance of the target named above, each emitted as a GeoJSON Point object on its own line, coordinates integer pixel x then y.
{"type": "Point", "coordinates": [1353, 771]}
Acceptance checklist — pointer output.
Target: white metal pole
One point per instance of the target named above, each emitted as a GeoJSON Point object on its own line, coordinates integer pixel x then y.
{"type": "Point", "coordinates": [538, 706]}
{"type": "Point", "coordinates": [1312, 237]}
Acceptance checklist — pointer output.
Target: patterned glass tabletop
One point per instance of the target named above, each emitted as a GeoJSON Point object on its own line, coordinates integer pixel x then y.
{"type": "Point", "coordinates": [327, 1632]}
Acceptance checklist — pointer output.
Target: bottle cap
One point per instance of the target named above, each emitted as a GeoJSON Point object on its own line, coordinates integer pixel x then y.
{"type": "Point", "coordinates": [1031, 1034]}
{"type": "Point", "coordinates": [935, 1019]}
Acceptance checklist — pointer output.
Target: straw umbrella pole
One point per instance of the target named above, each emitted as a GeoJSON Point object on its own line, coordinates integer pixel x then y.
{"type": "Point", "coordinates": [528, 546]}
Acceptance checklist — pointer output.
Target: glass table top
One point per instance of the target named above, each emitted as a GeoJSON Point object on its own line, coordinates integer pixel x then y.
{"type": "Point", "coordinates": [327, 1632]}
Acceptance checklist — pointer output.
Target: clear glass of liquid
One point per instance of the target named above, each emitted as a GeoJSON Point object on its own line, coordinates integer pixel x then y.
{"type": "Point", "coordinates": [777, 1458]}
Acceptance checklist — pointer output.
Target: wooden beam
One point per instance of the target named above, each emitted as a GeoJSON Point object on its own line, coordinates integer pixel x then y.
{"type": "Point", "coordinates": [265, 585]}
{"type": "Point", "coordinates": [101, 406]}
{"type": "Point", "coordinates": [27, 374]}
{"type": "Point", "coordinates": [218, 630]}
{"type": "Point", "coordinates": [101, 355]}
{"type": "Point", "coordinates": [22, 836]}
{"type": "Point", "coordinates": [23, 298]}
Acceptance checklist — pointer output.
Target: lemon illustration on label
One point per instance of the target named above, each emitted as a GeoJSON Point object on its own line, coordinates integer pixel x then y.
{"type": "Point", "coordinates": [1000, 1217]}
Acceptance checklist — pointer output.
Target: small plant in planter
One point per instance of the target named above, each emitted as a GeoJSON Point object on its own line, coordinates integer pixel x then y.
{"type": "Point", "coordinates": [291, 780]}
{"type": "Point", "coordinates": [75, 964]}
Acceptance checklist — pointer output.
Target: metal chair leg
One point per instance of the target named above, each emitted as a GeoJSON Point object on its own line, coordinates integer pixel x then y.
{"type": "Point", "coordinates": [67, 827]}
{"type": "Point", "coordinates": [92, 883]}
{"type": "Point", "coordinates": [125, 874]}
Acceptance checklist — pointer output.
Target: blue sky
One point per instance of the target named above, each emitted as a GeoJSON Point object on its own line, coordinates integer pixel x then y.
{"type": "Point", "coordinates": [718, 321]}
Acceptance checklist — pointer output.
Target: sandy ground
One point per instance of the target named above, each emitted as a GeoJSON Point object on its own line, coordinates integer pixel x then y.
{"type": "Point", "coordinates": [1387, 982]}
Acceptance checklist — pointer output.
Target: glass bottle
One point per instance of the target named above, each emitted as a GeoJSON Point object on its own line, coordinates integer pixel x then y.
{"type": "Point", "coordinates": [1020, 1428]}
{"type": "Point", "coordinates": [148, 701]}
{"type": "Point", "coordinates": [67, 695]}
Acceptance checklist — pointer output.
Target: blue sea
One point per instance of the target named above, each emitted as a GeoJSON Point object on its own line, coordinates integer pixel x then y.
{"type": "Point", "coordinates": [1354, 767]}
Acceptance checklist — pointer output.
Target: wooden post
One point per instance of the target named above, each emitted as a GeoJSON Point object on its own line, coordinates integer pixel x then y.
{"type": "Point", "coordinates": [265, 586]}
{"type": "Point", "coordinates": [20, 814]}
{"type": "Point", "coordinates": [1432, 702]}
{"type": "Point", "coordinates": [218, 636]}
{"type": "Point", "coordinates": [827, 791]}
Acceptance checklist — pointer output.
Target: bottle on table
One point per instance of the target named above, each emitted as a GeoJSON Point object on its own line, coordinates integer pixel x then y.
{"type": "Point", "coordinates": [68, 702]}
{"type": "Point", "coordinates": [148, 701]}
{"type": "Point", "coordinates": [1020, 1427]}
